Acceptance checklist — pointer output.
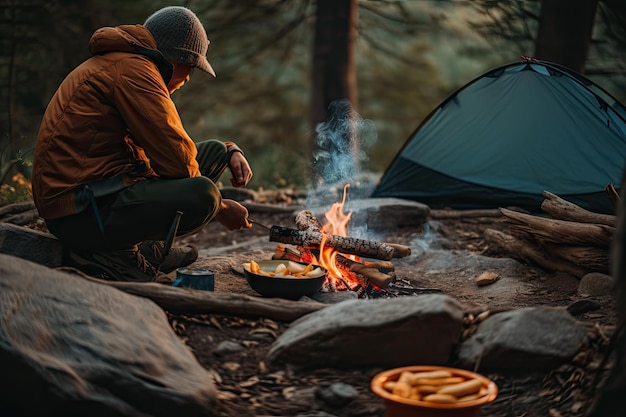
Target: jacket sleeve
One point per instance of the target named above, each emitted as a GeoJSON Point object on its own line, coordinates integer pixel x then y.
{"type": "Point", "coordinates": [143, 101]}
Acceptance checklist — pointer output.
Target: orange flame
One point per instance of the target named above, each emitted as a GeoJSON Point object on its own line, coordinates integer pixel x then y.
{"type": "Point", "coordinates": [337, 224]}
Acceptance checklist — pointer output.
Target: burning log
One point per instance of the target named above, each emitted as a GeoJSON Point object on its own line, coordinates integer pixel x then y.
{"type": "Point", "coordinates": [307, 222]}
{"type": "Point", "coordinates": [372, 275]}
{"type": "Point", "coordinates": [382, 266]}
{"type": "Point", "coordinates": [285, 253]}
{"type": "Point", "coordinates": [349, 245]}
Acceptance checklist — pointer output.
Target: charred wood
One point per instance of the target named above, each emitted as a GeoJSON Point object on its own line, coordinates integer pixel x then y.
{"type": "Point", "coordinates": [349, 245]}
{"type": "Point", "coordinates": [372, 275]}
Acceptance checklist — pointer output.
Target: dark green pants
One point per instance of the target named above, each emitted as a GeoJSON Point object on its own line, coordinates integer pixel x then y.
{"type": "Point", "coordinates": [146, 210]}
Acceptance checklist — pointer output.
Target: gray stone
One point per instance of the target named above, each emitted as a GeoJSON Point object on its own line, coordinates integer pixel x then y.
{"type": "Point", "coordinates": [579, 307]}
{"type": "Point", "coordinates": [381, 332]}
{"type": "Point", "coordinates": [596, 284]}
{"type": "Point", "coordinates": [30, 244]}
{"type": "Point", "coordinates": [532, 339]}
{"type": "Point", "coordinates": [228, 346]}
{"type": "Point", "coordinates": [337, 394]}
{"type": "Point", "coordinates": [83, 348]}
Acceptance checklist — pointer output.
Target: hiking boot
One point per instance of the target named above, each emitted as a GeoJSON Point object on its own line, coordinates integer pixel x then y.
{"type": "Point", "coordinates": [118, 265]}
{"type": "Point", "coordinates": [178, 257]}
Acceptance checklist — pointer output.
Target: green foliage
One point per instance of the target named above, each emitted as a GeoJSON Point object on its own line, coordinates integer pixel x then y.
{"type": "Point", "coordinates": [18, 191]}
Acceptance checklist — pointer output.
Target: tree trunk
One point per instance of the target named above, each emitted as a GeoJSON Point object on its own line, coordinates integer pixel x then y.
{"type": "Point", "coordinates": [333, 72]}
{"type": "Point", "coordinates": [565, 28]}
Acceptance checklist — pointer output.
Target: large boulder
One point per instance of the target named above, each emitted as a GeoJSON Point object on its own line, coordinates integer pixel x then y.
{"type": "Point", "coordinates": [383, 332]}
{"type": "Point", "coordinates": [526, 340]}
{"type": "Point", "coordinates": [69, 346]}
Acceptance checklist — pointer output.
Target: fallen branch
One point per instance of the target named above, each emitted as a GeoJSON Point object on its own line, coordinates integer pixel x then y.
{"type": "Point", "coordinates": [559, 231]}
{"type": "Point", "coordinates": [564, 210]}
{"type": "Point", "coordinates": [588, 257]}
{"type": "Point", "coordinates": [189, 301]}
{"type": "Point", "coordinates": [520, 250]}
{"type": "Point", "coordinates": [461, 214]}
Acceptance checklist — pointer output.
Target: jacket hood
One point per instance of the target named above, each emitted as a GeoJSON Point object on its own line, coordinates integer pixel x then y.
{"type": "Point", "coordinates": [123, 38]}
{"type": "Point", "coordinates": [131, 39]}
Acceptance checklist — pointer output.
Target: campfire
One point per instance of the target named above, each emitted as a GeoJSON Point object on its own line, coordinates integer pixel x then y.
{"type": "Point", "coordinates": [328, 245]}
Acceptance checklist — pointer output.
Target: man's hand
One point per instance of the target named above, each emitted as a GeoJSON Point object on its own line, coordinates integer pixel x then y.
{"type": "Point", "coordinates": [240, 170]}
{"type": "Point", "coordinates": [233, 215]}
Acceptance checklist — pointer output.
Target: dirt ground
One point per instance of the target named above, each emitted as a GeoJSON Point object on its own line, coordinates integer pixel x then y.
{"type": "Point", "coordinates": [249, 387]}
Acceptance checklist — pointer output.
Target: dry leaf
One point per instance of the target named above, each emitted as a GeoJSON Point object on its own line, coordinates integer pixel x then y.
{"type": "Point", "coordinates": [289, 392]}
{"type": "Point", "coordinates": [253, 380]}
{"type": "Point", "coordinates": [263, 330]}
{"type": "Point", "coordinates": [486, 278]}
{"type": "Point", "coordinates": [226, 395]}
{"type": "Point", "coordinates": [215, 323]}
{"type": "Point", "coordinates": [231, 366]}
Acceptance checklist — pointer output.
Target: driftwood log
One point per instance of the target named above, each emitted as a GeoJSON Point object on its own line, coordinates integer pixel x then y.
{"type": "Point", "coordinates": [564, 210]}
{"type": "Point", "coordinates": [591, 258]}
{"type": "Point", "coordinates": [572, 240]}
{"type": "Point", "coordinates": [523, 250]}
{"type": "Point", "coordinates": [189, 301]}
{"type": "Point", "coordinates": [559, 231]}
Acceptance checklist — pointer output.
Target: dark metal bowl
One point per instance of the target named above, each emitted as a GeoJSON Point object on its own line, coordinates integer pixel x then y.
{"type": "Point", "coordinates": [290, 288]}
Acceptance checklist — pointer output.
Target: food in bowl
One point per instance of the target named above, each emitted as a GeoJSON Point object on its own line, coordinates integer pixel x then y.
{"type": "Point", "coordinates": [433, 391]}
{"type": "Point", "coordinates": [284, 279]}
{"type": "Point", "coordinates": [289, 269]}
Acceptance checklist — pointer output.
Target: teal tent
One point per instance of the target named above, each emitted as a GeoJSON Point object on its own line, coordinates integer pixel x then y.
{"type": "Point", "coordinates": [510, 134]}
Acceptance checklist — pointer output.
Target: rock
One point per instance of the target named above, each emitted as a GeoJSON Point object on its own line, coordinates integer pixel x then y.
{"type": "Point", "coordinates": [532, 339]}
{"type": "Point", "coordinates": [228, 346]}
{"type": "Point", "coordinates": [379, 332]}
{"type": "Point", "coordinates": [69, 346]}
{"type": "Point", "coordinates": [579, 307]}
{"type": "Point", "coordinates": [30, 244]}
{"type": "Point", "coordinates": [337, 394]}
{"type": "Point", "coordinates": [595, 284]}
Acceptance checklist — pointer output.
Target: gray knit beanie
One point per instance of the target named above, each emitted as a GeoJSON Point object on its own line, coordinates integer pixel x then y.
{"type": "Point", "coordinates": [180, 37]}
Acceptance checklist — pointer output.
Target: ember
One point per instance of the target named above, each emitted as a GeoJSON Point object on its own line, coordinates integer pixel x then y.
{"type": "Point", "coordinates": [329, 246]}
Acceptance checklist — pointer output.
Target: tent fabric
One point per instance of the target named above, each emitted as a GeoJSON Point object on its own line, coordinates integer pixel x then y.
{"type": "Point", "coordinates": [509, 135]}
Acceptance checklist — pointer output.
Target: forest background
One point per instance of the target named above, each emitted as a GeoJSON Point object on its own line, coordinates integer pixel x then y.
{"type": "Point", "coordinates": [281, 63]}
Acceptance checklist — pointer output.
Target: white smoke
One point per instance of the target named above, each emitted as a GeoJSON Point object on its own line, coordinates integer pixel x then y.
{"type": "Point", "coordinates": [341, 145]}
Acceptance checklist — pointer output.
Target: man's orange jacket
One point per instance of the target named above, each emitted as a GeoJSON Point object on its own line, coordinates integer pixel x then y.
{"type": "Point", "coordinates": [106, 118]}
